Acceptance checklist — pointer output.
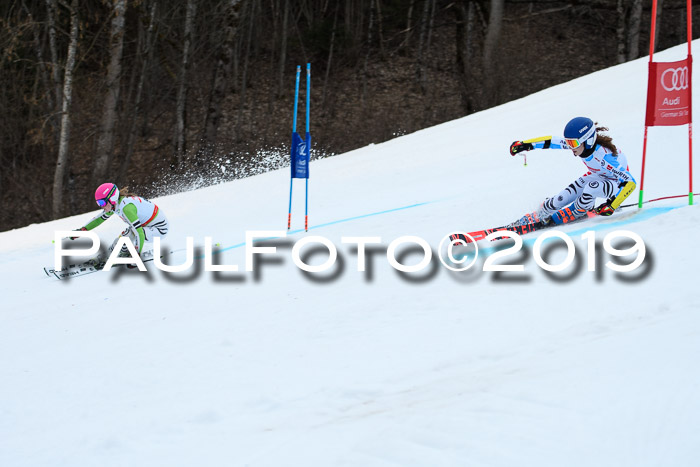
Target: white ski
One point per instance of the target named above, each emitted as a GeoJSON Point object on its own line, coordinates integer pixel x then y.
{"type": "Point", "coordinates": [88, 267]}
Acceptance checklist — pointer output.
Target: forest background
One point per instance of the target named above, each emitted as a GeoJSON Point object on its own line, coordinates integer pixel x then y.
{"type": "Point", "coordinates": [169, 95]}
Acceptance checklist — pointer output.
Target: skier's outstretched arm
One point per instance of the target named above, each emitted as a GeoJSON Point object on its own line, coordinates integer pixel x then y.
{"type": "Point", "coordinates": [542, 142]}
{"type": "Point", "coordinates": [94, 222]}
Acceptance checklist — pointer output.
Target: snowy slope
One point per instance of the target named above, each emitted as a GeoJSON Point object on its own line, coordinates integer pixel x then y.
{"type": "Point", "coordinates": [276, 367]}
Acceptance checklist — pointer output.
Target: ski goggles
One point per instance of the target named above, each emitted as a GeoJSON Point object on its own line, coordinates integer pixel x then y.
{"type": "Point", "coordinates": [102, 202]}
{"type": "Point", "coordinates": [573, 143]}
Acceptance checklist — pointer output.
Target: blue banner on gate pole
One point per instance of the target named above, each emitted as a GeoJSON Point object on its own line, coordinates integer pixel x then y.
{"type": "Point", "coordinates": [300, 156]}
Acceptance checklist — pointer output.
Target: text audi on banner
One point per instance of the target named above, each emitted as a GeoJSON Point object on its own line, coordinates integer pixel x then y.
{"type": "Point", "coordinates": [669, 93]}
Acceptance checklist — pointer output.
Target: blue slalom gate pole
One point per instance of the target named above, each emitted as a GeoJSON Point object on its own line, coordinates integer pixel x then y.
{"type": "Point", "coordinates": [294, 129]}
{"type": "Point", "coordinates": [296, 99]}
{"type": "Point", "coordinates": [301, 148]}
{"type": "Point", "coordinates": [308, 139]}
{"type": "Point", "coordinates": [308, 97]}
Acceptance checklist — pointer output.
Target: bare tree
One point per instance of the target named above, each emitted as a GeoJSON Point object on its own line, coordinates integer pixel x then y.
{"type": "Point", "coordinates": [41, 64]}
{"type": "Point", "coordinates": [620, 31]}
{"type": "Point", "coordinates": [365, 77]}
{"type": "Point", "coordinates": [633, 30]}
{"type": "Point", "coordinates": [431, 23]}
{"type": "Point", "coordinates": [421, 44]}
{"type": "Point", "coordinates": [62, 159]}
{"type": "Point", "coordinates": [105, 142]}
{"type": "Point", "coordinates": [283, 48]}
{"type": "Point", "coordinates": [330, 58]}
{"type": "Point", "coordinates": [51, 15]}
{"type": "Point", "coordinates": [465, 57]}
{"type": "Point", "coordinates": [246, 63]}
{"type": "Point", "coordinates": [222, 71]}
{"type": "Point", "coordinates": [409, 26]}
{"type": "Point", "coordinates": [146, 55]}
{"type": "Point", "coordinates": [182, 85]}
{"type": "Point", "coordinates": [380, 30]}
{"type": "Point", "coordinates": [493, 34]}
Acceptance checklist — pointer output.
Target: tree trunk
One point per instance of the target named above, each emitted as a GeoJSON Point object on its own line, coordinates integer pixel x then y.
{"type": "Point", "coordinates": [222, 72]}
{"type": "Point", "coordinates": [330, 58]}
{"type": "Point", "coordinates": [105, 143]}
{"type": "Point", "coordinates": [145, 60]}
{"type": "Point", "coordinates": [431, 22]}
{"type": "Point", "coordinates": [465, 25]}
{"type": "Point", "coordinates": [620, 32]}
{"type": "Point", "coordinates": [380, 31]}
{"type": "Point", "coordinates": [634, 25]}
{"type": "Point", "coordinates": [52, 12]}
{"type": "Point", "coordinates": [244, 78]}
{"type": "Point", "coordinates": [421, 43]}
{"type": "Point", "coordinates": [409, 26]}
{"type": "Point", "coordinates": [493, 34]}
{"type": "Point", "coordinates": [365, 77]}
{"type": "Point", "coordinates": [41, 64]}
{"type": "Point", "coordinates": [283, 49]}
{"type": "Point", "coordinates": [473, 99]}
{"type": "Point", "coordinates": [275, 18]}
{"type": "Point", "coordinates": [64, 138]}
{"type": "Point", "coordinates": [182, 87]}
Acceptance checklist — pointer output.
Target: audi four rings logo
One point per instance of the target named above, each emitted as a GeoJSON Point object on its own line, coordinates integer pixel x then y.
{"type": "Point", "coordinates": [675, 79]}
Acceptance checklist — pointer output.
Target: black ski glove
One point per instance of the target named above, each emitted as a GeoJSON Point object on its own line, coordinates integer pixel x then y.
{"type": "Point", "coordinates": [82, 228]}
{"type": "Point", "coordinates": [519, 146]}
{"type": "Point", "coordinates": [605, 209]}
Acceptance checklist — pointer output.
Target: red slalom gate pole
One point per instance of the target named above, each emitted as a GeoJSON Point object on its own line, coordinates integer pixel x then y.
{"type": "Point", "coordinates": [649, 83]}
{"type": "Point", "coordinates": [644, 160]}
{"type": "Point", "coordinates": [689, 14]}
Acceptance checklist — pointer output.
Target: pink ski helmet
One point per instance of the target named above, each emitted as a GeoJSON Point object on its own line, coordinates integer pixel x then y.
{"type": "Point", "coordinates": [107, 193]}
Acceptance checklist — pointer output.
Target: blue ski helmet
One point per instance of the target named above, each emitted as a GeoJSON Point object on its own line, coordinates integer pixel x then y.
{"type": "Point", "coordinates": [580, 131]}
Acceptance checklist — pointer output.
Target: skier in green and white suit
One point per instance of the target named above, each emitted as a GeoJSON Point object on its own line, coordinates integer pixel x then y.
{"type": "Point", "coordinates": [144, 219]}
